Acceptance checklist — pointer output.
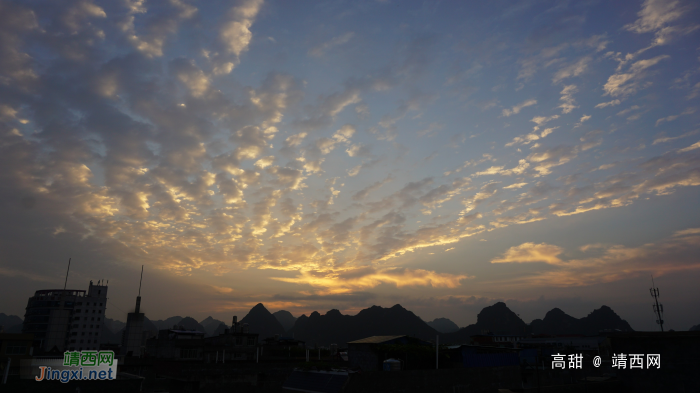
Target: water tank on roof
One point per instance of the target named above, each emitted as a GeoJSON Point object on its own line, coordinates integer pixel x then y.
{"type": "Point", "coordinates": [392, 365]}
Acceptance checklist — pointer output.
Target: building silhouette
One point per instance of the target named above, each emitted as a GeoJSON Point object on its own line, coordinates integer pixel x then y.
{"type": "Point", "coordinates": [66, 319]}
{"type": "Point", "coordinates": [132, 338]}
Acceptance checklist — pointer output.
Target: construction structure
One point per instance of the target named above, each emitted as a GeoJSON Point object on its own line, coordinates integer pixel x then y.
{"type": "Point", "coordinates": [132, 336]}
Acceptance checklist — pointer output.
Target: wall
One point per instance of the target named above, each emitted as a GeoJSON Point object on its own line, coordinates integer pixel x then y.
{"type": "Point", "coordinates": [435, 380]}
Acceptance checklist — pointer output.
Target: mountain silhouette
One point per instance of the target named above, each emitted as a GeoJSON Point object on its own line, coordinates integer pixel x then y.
{"type": "Point", "coordinates": [285, 318]}
{"type": "Point", "coordinates": [210, 325]}
{"type": "Point", "coordinates": [443, 325]}
{"type": "Point", "coordinates": [334, 327]}
{"type": "Point", "coordinates": [262, 322]}
{"type": "Point", "coordinates": [695, 328]}
{"type": "Point", "coordinates": [497, 319]}
{"type": "Point", "coordinates": [555, 321]}
{"type": "Point", "coordinates": [190, 323]}
{"type": "Point", "coordinates": [10, 322]}
{"type": "Point", "coordinates": [168, 323]}
{"type": "Point", "coordinates": [221, 329]}
{"type": "Point", "coordinates": [558, 322]}
{"type": "Point", "coordinates": [114, 325]}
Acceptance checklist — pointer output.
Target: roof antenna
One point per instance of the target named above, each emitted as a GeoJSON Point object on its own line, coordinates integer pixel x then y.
{"type": "Point", "coordinates": [141, 280]}
{"type": "Point", "coordinates": [658, 308]}
{"type": "Point", "coordinates": [66, 283]}
{"type": "Point", "coordinates": [63, 294]}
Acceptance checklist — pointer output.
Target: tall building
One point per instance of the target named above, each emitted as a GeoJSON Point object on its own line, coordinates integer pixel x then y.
{"type": "Point", "coordinates": [67, 319]}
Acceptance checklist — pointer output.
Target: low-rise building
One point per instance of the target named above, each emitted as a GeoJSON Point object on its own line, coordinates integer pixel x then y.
{"type": "Point", "coordinates": [177, 343]}
{"type": "Point", "coordinates": [365, 353]}
{"type": "Point", "coordinates": [13, 349]}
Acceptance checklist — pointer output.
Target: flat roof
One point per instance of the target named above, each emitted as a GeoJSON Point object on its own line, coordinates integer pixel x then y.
{"type": "Point", "coordinates": [375, 339]}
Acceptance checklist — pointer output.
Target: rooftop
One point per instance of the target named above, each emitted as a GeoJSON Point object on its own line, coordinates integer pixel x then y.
{"type": "Point", "coordinates": [375, 339]}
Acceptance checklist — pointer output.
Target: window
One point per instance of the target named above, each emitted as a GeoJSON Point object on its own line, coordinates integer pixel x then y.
{"type": "Point", "coordinates": [16, 348]}
{"type": "Point", "coordinates": [99, 292]}
{"type": "Point", "coordinates": [80, 303]}
{"type": "Point", "coordinates": [93, 318]}
{"type": "Point", "coordinates": [100, 304]}
{"type": "Point", "coordinates": [72, 341]}
{"type": "Point", "coordinates": [74, 334]}
{"type": "Point", "coordinates": [77, 318]}
{"type": "Point", "coordinates": [98, 318]}
{"type": "Point", "coordinates": [86, 318]}
{"type": "Point", "coordinates": [83, 334]}
{"type": "Point", "coordinates": [96, 333]}
{"type": "Point", "coordinates": [251, 340]}
{"type": "Point", "coordinates": [78, 310]}
{"type": "Point", "coordinates": [239, 340]}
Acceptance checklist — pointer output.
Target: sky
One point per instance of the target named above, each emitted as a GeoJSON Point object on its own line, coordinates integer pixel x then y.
{"type": "Point", "coordinates": [342, 154]}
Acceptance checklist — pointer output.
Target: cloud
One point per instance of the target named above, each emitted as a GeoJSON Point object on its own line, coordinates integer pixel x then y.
{"type": "Point", "coordinates": [527, 139]}
{"type": "Point", "coordinates": [655, 14]}
{"type": "Point", "coordinates": [625, 84]}
{"type": "Point", "coordinates": [547, 159]}
{"type": "Point", "coordinates": [363, 193]}
{"type": "Point", "coordinates": [517, 108]}
{"type": "Point", "coordinates": [664, 139]}
{"type": "Point", "coordinates": [222, 289]}
{"type": "Point", "coordinates": [515, 186]}
{"type": "Point", "coordinates": [609, 103]}
{"type": "Point", "coordinates": [531, 252]}
{"type": "Point", "coordinates": [567, 98]}
{"type": "Point", "coordinates": [319, 50]}
{"type": "Point", "coordinates": [572, 70]}
{"type": "Point", "coordinates": [688, 111]}
{"type": "Point", "coordinates": [615, 262]}
{"type": "Point", "coordinates": [499, 170]}
{"type": "Point", "coordinates": [152, 36]}
{"type": "Point", "coordinates": [694, 146]}
{"type": "Point", "coordinates": [348, 280]}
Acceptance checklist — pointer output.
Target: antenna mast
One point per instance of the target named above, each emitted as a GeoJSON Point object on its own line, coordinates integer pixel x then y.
{"type": "Point", "coordinates": [141, 280]}
{"type": "Point", "coordinates": [63, 294]}
{"type": "Point", "coordinates": [658, 308]}
{"type": "Point", "coordinates": [66, 282]}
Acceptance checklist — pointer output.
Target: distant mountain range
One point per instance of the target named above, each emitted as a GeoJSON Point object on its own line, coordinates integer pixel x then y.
{"type": "Point", "coordinates": [499, 319]}
{"type": "Point", "coordinates": [443, 325]}
{"type": "Point", "coordinates": [334, 327]}
{"type": "Point", "coordinates": [694, 328]}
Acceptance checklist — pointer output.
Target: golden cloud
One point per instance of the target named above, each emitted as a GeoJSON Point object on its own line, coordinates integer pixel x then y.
{"type": "Point", "coordinates": [348, 280]}
{"type": "Point", "coordinates": [531, 252]}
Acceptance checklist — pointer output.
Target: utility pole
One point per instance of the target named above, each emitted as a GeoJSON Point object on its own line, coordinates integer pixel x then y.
{"type": "Point", "coordinates": [658, 308]}
{"type": "Point", "coordinates": [437, 345]}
